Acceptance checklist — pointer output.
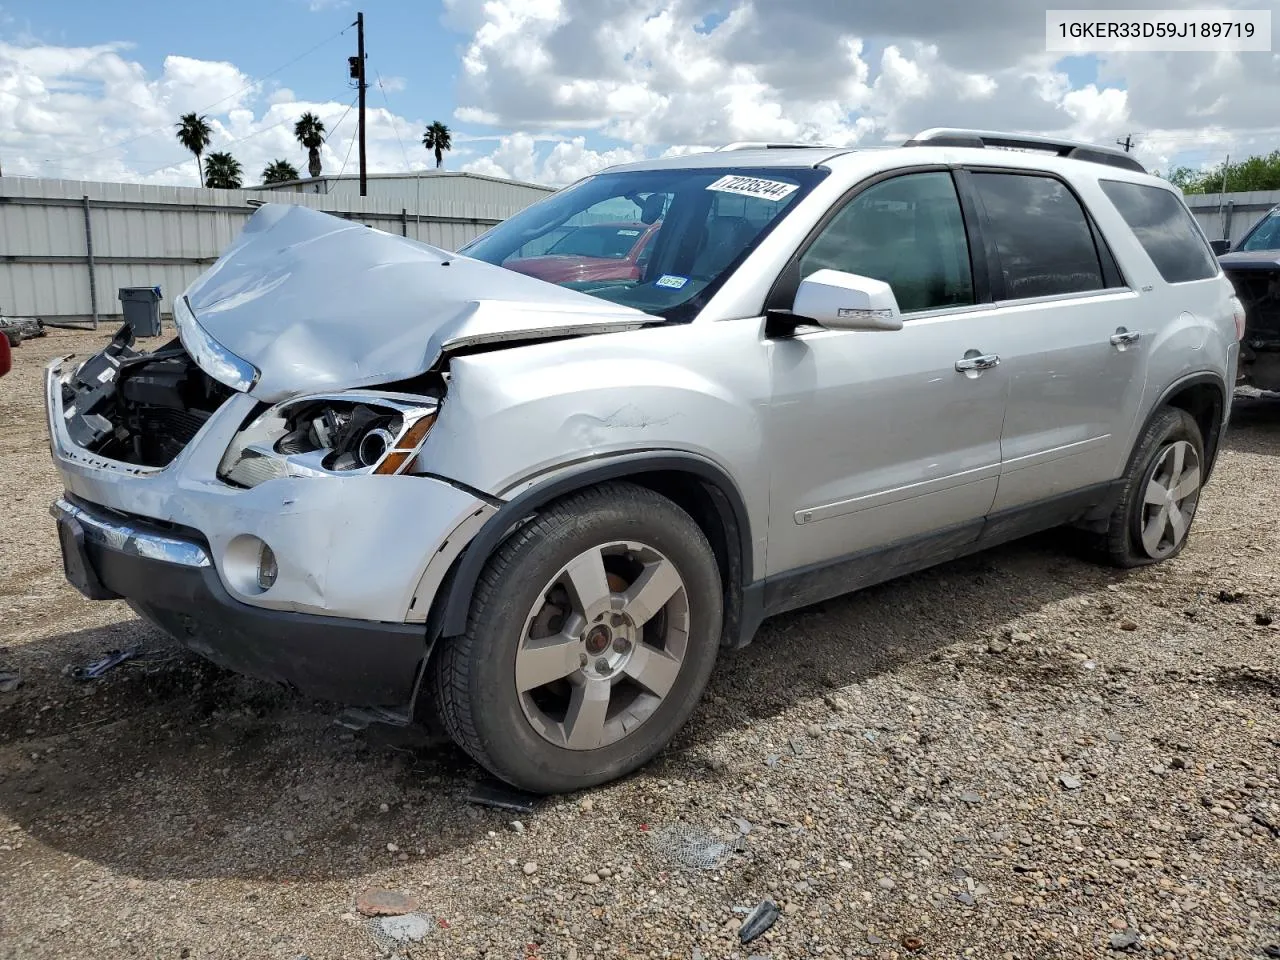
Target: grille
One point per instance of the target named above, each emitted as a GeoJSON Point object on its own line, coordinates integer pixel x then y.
{"type": "Point", "coordinates": [165, 431]}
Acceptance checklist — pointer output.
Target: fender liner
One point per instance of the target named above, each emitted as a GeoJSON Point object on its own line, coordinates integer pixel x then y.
{"type": "Point", "coordinates": [449, 612]}
{"type": "Point", "coordinates": [1211, 442]}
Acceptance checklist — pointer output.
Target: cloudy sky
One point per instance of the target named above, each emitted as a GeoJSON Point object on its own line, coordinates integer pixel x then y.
{"type": "Point", "coordinates": [549, 90]}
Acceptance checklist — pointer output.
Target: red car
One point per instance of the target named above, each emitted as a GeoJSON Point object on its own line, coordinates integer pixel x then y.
{"type": "Point", "coordinates": [6, 358]}
{"type": "Point", "coordinates": [598, 251]}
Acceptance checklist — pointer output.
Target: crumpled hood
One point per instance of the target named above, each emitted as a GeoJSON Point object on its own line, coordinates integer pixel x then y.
{"type": "Point", "coordinates": [318, 303]}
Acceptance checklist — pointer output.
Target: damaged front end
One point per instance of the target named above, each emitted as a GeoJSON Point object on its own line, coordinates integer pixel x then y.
{"type": "Point", "coordinates": [1257, 285]}
{"type": "Point", "coordinates": [138, 408]}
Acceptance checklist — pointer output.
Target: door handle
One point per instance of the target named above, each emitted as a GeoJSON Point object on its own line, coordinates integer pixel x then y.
{"type": "Point", "coordinates": [1124, 338]}
{"type": "Point", "coordinates": [976, 361]}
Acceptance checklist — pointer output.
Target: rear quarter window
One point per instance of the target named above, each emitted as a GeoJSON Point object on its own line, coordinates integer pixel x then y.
{"type": "Point", "coordinates": [1163, 225]}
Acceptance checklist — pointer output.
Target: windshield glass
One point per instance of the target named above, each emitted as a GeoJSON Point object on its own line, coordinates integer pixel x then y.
{"type": "Point", "coordinates": [1266, 235]}
{"type": "Point", "coordinates": [661, 241]}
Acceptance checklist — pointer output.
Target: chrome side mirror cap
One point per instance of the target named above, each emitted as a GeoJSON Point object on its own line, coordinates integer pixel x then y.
{"type": "Point", "coordinates": [846, 301]}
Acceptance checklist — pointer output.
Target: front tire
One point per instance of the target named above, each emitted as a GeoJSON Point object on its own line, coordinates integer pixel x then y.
{"type": "Point", "coordinates": [1151, 522]}
{"type": "Point", "coordinates": [591, 636]}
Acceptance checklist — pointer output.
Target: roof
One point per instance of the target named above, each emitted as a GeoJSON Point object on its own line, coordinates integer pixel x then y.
{"type": "Point", "coordinates": [413, 175]}
{"type": "Point", "coordinates": [773, 157]}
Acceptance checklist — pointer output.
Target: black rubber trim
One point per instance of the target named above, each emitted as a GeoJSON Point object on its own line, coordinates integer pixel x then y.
{"type": "Point", "coordinates": [355, 662]}
{"type": "Point", "coordinates": [449, 616]}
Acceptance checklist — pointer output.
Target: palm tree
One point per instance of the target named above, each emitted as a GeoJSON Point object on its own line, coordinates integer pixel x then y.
{"type": "Point", "coordinates": [279, 171]}
{"type": "Point", "coordinates": [222, 171]}
{"type": "Point", "coordinates": [310, 133]}
{"type": "Point", "coordinates": [194, 133]}
{"type": "Point", "coordinates": [438, 139]}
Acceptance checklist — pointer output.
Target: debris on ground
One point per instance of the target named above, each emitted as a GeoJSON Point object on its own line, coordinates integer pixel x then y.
{"type": "Point", "coordinates": [1069, 782]}
{"type": "Point", "coordinates": [380, 902]}
{"type": "Point", "coordinates": [107, 662]}
{"type": "Point", "coordinates": [500, 796]}
{"type": "Point", "coordinates": [759, 920]}
{"type": "Point", "coordinates": [691, 848]}
{"type": "Point", "coordinates": [1124, 940]}
{"type": "Point", "coordinates": [912, 944]}
{"type": "Point", "coordinates": [391, 934]}
{"type": "Point", "coordinates": [17, 329]}
{"type": "Point", "coordinates": [10, 680]}
{"type": "Point", "coordinates": [360, 718]}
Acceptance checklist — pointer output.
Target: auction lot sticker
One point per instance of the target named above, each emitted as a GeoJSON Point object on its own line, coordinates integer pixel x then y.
{"type": "Point", "coordinates": [1156, 31]}
{"type": "Point", "coordinates": [754, 187]}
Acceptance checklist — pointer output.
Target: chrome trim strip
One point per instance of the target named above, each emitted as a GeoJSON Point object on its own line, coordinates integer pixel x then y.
{"type": "Point", "coordinates": [129, 540]}
{"type": "Point", "coordinates": [840, 508]}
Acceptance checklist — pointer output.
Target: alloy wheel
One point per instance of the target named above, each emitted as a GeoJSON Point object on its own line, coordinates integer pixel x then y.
{"type": "Point", "coordinates": [1169, 499]}
{"type": "Point", "coordinates": [603, 645]}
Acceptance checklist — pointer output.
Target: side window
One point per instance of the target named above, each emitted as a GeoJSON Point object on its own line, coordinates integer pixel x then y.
{"type": "Point", "coordinates": [1165, 229]}
{"type": "Point", "coordinates": [1041, 235]}
{"type": "Point", "coordinates": [908, 232]}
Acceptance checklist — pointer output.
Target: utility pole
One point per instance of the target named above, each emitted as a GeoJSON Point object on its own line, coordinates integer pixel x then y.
{"type": "Point", "coordinates": [1127, 142]}
{"type": "Point", "coordinates": [357, 74]}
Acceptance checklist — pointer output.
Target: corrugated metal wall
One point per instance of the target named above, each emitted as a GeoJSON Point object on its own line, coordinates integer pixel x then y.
{"type": "Point", "coordinates": [144, 235]}
{"type": "Point", "coordinates": [1229, 216]}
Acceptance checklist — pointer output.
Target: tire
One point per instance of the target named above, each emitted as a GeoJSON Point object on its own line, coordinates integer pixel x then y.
{"type": "Point", "coordinates": [536, 591]}
{"type": "Point", "coordinates": [1170, 441]}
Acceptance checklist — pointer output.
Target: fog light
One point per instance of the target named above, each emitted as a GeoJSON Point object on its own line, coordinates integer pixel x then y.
{"type": "Point", "coordinates": [266, 568]}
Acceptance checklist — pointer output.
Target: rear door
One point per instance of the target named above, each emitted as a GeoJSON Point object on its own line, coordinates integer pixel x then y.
{"type": "Point", "coordinates": [1073, 341]}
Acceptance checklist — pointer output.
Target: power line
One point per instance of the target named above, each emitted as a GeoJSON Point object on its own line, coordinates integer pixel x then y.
{"type": "Point", "coordinates": [348, 156]}
{"type": "Point", "coordinates": [257, 82]}
{"type": "Point", "coordinates": [394, 126]}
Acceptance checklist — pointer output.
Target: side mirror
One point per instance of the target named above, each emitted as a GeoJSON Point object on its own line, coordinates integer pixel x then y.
{"type": "Point", "coordinates": [1219, 247]}
{"type": "Point", "coordinates": [846, 301]}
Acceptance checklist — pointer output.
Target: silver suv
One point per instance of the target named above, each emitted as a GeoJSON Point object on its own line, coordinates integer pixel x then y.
{"type": "Point", "coordinates": [403, 478]}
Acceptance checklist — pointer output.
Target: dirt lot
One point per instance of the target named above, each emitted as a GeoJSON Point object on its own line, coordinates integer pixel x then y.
{"type": "Point", "coordinates": [1017, 755]}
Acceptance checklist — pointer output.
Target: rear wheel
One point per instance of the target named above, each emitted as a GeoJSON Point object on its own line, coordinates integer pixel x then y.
{"type": "Point", "coordinates": [592, 634]}
{"type": "Point", "coordinates": [1162, 490]}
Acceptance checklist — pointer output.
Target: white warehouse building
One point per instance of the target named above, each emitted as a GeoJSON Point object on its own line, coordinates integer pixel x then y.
{"type": "Point", "coordinates": [67, 246]}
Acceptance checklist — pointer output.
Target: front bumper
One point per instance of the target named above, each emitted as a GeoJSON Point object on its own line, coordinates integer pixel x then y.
{"type": "Point", "coordinates": [169, 577]}
{"type": "Point", "coordinates": [360, 548]}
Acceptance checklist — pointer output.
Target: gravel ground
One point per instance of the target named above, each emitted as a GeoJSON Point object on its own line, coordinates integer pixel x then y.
{"type": "Point", "coordinates": [1017, 755]}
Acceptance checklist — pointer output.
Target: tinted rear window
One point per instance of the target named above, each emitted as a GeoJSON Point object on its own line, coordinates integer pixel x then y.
{"type": "Point", "coordinates": [1041, 236]}
{"type": "Point", "coordinates": [1165, 229]}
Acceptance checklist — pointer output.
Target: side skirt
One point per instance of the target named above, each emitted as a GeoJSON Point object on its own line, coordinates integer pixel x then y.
{"type": "Point", "coordinates": [817, 582]}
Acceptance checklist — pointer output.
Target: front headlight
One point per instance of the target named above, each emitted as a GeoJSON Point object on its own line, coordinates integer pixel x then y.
{"type": "Point", "coordinates": [358, 432]}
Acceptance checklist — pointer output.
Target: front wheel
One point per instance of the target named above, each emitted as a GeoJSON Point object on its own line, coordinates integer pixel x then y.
{"type": "Point", "coordinates": [592, 634]}
{"type": "Point", "coordinates": [1162, 490]}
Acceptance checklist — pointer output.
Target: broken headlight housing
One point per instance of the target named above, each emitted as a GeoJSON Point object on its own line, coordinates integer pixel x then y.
{"type": "Point", "coordinates": [358, 432]}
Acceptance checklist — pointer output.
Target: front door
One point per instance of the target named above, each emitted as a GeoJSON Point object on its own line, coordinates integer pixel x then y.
{"type": "Point", "coordinates": [877, 439]}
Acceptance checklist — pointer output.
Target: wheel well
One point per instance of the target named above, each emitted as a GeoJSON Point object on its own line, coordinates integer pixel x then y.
{"type": "Point", "coordinates": [693, 484]}
{"type": "Point", "coordinates": [1204, 401]}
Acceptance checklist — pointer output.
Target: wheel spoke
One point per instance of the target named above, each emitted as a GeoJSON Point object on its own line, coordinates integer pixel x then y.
{"type": "Point", "coordinates": [539, 662]}
{"type": "Point", "coordinates": [587, 582]}
{"type": "Point", "coordinates": [653, 669]}
{"type": "Point", "coordinates": [584, 722]}
{"type": "Point", "coordinates": [1153, 532]}
{"type": "Point", "coordinates": [1187, 485]}
{"type": "Point", "coordinates": [1179, 524]}
{"type": "Point", "coordinates": [1155, 493]}
{"type": "Point", "coordinates": [653, 588]}
{"type": "Point", "coordinates": [1179, 455]}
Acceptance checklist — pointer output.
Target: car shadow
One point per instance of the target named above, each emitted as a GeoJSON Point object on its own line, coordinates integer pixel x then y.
{"type": "Point", "coordinates": [168, 767]}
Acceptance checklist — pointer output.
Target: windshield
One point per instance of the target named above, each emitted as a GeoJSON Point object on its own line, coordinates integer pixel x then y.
{"type": "Point", "coordinates": [704, 221]}
{"type": "Point", "coordinates": [1266, 235]}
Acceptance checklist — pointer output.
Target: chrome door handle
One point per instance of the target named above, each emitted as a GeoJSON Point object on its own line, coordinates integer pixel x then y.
{"type": "Point", "coordinates": [1124, 338]}
{"type": "Point", "coordinates": [981, 362]}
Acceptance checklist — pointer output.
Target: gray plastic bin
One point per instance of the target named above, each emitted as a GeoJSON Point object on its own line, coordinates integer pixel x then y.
{"type": "Point", "coordinates": [142, 309]}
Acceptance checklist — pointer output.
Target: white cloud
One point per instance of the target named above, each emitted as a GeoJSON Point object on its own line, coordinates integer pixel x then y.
{"type": "Point", "coordinates": [393, 84]}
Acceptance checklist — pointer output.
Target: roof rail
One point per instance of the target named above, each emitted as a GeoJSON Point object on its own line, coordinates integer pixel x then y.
{"type": "Point", "coordinates": [1072, 149]}
{"type": "Point", "coordinates": [763, 145]}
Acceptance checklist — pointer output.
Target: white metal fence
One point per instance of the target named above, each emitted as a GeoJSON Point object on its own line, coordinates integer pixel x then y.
{"type": "Point", "coordinates": [1229, 216]}
{"type": "Point", "coordinates": [66, 247]}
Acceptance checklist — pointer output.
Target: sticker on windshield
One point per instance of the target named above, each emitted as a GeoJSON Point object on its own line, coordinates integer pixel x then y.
{"type": "Point", "coordinates": [754, 187]}
{"type": "Point", "coordinates": [628, 233]}
{"type": "Point", "coordinates": [671, 281]}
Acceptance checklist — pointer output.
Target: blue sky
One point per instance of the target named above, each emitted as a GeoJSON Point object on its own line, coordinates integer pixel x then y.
{"type": "Point", "coordinates": [550, 89]}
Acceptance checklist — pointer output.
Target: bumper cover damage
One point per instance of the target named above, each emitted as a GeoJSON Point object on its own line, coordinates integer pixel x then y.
{"type": "Point", "coordinates": [170, 578]}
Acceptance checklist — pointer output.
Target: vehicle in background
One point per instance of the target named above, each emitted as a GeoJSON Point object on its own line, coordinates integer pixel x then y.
{"type": "Point", "coordinates": [592, 253]}
{"type": "Point", "coordinates": [1253, 267]}
{"type": "Point", "coordinates": [6, 357]}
